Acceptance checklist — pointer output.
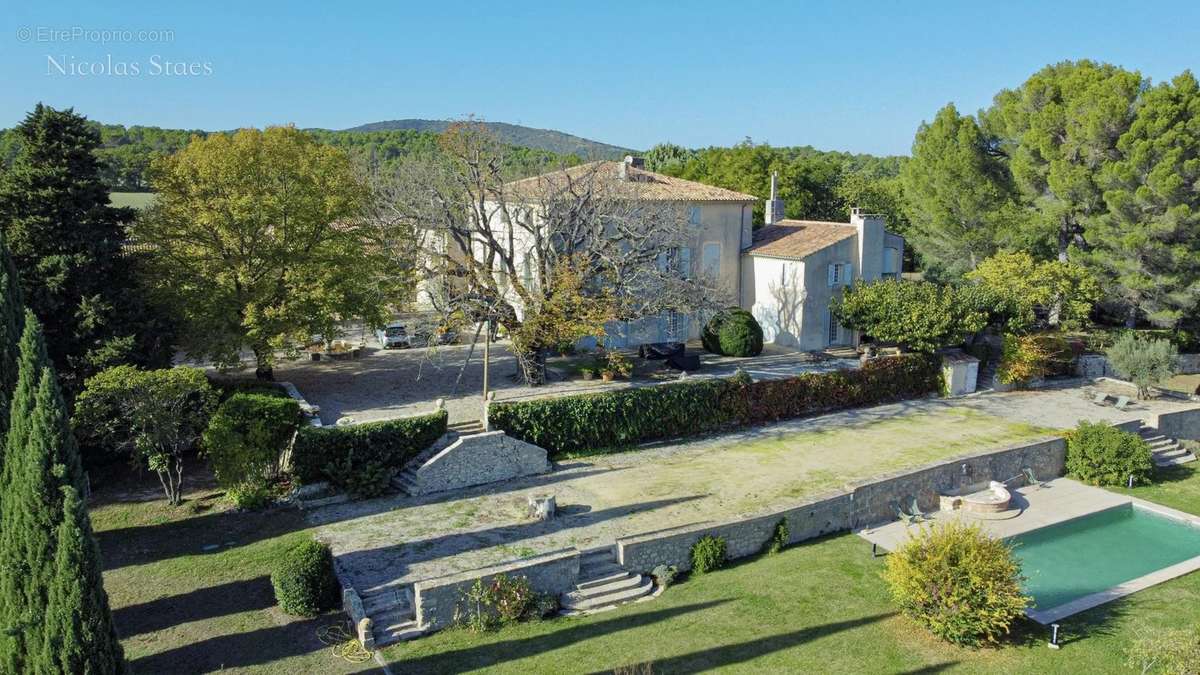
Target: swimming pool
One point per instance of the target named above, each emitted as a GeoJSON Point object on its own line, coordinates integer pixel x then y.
{"type": "Point", "coordinates": [1081, 563]}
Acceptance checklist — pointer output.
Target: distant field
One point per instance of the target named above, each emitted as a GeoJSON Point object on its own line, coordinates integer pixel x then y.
{"type": "Point", "coordinates": [138, 200]}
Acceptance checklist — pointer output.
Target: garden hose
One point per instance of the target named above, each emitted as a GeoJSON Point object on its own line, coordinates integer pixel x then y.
{"type": "Point", "coordinates": [343, 644]}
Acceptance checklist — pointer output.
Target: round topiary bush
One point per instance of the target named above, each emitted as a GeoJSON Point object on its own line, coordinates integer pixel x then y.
{"type": "Point", "coordinates": [733, 332]}
{"type": "Point", "coordinates": [1102, 455]}
{"type": "Point", "coordinates": [958, 582]}
{"type": "Point", "coordinates": [304, 580]}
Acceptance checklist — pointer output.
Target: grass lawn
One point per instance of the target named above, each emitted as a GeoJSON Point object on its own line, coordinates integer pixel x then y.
{"type": "Point", "coordinates": [138, 200]}
{"type": "Point", "coordinates": [180, 608]}
{"type": "Point", "coordinates": [816, 607]}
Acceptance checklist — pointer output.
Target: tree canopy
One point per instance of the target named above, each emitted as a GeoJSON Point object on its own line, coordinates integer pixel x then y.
{"type": "Point", "coordinates": [257, 240]}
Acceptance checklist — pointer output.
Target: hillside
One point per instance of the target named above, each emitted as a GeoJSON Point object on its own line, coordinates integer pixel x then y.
{"type": "Point", "coordinates": [513, 134]}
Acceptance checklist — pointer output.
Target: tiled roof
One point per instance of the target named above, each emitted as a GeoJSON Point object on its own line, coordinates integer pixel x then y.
{"type": "Point", "coordinates": [798, 239]}
{"type": "Point", "coordinates": [642, 184]}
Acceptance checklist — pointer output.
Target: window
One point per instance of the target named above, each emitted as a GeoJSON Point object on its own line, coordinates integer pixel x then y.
{"type": "Point", "coordinates": [710, 260]}
{"type": "Point", "coordinates": [694, 215]}
{"type": "Point", "coordinates": [684, 262]}
{"type": "Point", "coordinates": [890, 257]}
{"type": "Point", "coordinates": [839, 274]}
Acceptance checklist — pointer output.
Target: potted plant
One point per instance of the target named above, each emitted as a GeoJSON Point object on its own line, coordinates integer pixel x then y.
{"type": "Point", "coordinates": [619, 364]}
{"type": "Point", "coordinates": [607, 375]}
{"type": "Point", "coordinates": [587, 373]}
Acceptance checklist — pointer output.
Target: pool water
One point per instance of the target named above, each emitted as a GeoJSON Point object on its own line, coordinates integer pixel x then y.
{"type": "Point", "coordinates": [1087, 555]}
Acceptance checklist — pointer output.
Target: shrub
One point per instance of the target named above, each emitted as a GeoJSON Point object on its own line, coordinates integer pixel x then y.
{"type": "Point", "coordinates": [733, 332]}
{"type": "Point", "coordinates": [360, 479]}
{"type": "Point", "coordinates": [304, 580]}
{"type": "Point", "coordinates": [246, 440]}
{"type": "Point", "coordinates": [708, 554]}
{"type": "Point", "coordinates": [503, 600]}
{"type": "Point", "coordinates": [230, 386]}
{"type": "Point", "coordinates": [958, 582]}
{"type": "Point", "coordinates": [250, 495]}
{"type": "Point", "coordinates": [388, 444]}
{"type": "Point", "coordinates": [1103, 455]}
{"type": "Point", "coordinates": [1032, 357]}
{"type": "Point", "coordinates": [779, 538]}
{"type": "Point", "coordinates": [1144, 362]}
{"type": "Point", "coordinates": [628, 416]}
{"type": "Point", "coordinates": [664, 575]}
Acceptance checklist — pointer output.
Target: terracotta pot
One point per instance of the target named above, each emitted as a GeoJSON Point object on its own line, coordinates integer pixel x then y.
{"type": "Point", "coordinates": [607, 376]}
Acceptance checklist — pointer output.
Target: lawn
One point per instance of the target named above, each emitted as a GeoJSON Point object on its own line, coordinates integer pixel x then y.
{"type": "Point", "coordinates": [190, 588]}
{"type": "Point", "coordinates": [137, 200]}
{"type": "Point", "coordinates": [816, 607]}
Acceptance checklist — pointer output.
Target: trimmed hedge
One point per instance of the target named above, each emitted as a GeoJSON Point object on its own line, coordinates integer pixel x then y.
{"type": "Point", "coordinates": [390, 443]}
{"type": "Point", "coordinates": [247, 436]}
{"type": "Point", "coordinates": [733, 332]}
{"type": "Point", "coordinates": [304, 580]}
{"type": "Point", "coordinates": [629, 416]}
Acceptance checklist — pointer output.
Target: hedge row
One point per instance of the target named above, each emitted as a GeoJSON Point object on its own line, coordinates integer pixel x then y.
{"type": "Point", "coordinates": [629, 416]}
{"type": "Point", "coordinates": [389, 443]}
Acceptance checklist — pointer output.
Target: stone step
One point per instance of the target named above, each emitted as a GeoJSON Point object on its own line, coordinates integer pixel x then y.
{"type": "Point", "coordinates": [592, 582]}
{"type": "Point", "coordinates": [1173, 452]}
{"type": "Point", "coordinates": [612, 585]}
{"type": "Point", "coordinates": [572, 602]}
{"type": "Point", "coordinates": [406, 482]}
{"type": "Point", "coordinates": [393, 585]}
{"type": "Point", "coordinates": [599, 570]}
{"type": "Point", "coordinates": [396, 630]}
{"type": "Point", "coordinates": [467, 427]}
{"type": "Point", "coordinates": [1173, 461]}
{"type": "Point", "coordinates": [386, 601]}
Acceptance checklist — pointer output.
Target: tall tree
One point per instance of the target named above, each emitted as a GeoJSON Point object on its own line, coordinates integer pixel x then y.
{"type": "Point", "coordinates": [12, 318]}
{"type": "Point", "coordinates": [67, 244]}
{"type": "Point", "coordinates": [957, 191]}
{"type": "Point", "coordinates": [255, 239]}
{"type": "Point", "coordinates": [79, 636]}
{"type": "Point", "coordinates": [1146, 245]}
{"type": "Point", "coordinates": [40, 460]}
{"type": "Point", "coordinates": [1060, 130]}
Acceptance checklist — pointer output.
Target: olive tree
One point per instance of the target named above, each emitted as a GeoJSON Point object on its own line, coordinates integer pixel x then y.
{"type": "Point", "coordinates": [1145, 362]}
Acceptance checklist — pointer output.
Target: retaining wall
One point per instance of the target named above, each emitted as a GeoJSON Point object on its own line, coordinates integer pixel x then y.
{"type": "Point", "coordinates": [478, 459]}
{"type": "Point", "coordinates": [1183, 424]}
{"type": "Point", "coordinates": [866, 504]}
{"type": "Point", "coordinates": [440, 601]}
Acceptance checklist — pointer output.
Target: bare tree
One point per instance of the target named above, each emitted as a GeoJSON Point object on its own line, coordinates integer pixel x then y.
{"type": "Point", "coordinates": [490, 247]}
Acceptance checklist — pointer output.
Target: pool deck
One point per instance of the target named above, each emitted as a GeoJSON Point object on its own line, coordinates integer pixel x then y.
{"type": "Point", "coordinates": [1035, 507]}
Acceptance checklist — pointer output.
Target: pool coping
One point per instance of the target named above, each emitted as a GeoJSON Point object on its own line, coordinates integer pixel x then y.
{"type": "Point", "coordinates": [1053, 614]}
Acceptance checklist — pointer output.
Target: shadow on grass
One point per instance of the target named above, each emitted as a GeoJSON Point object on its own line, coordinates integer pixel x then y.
{"type": "Point", "coordinates": [494, 653]}
{"type": "Point", "coordinates": [728, 655]}
{"type": "Point", "coordinates": [203, 603]}
{"type": "Point", "coordinates": [239, 650]}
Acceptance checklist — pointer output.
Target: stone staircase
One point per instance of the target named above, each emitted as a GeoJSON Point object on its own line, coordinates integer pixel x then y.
{"type": "Point", "coordinates": [1167, 451]}
{"type": "Point", "coordinates": [390, 607]}
{"type": "Point", "coordinates": [405, 481]}
{"type": "Point", "coordinates": [603, 584]}
{"type": "Point", "coordinates": [466, 427]}
{"type": "Point", "coordinates": [986, 378]}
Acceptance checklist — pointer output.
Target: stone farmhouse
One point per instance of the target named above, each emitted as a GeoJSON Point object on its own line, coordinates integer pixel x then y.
{"type": "Point", "coordinates": [785, 272]}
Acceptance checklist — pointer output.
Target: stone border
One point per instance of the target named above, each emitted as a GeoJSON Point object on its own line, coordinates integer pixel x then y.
{"type": "Point", "coordinates": [1047, 616]}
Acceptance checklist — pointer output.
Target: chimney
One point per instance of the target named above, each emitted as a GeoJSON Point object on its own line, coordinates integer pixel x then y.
{"type": "Point", "coordinates": [870, 243]}
{"type": "Point", "coordinates": [629, 161]}
{"type": "Point", "coordinates": [774, 207]}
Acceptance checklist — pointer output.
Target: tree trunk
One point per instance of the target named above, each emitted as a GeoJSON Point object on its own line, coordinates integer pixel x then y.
{"type": "Point", "coordinates": [533, 366]}
{"type": "Point", "coordinates": [263, 363]}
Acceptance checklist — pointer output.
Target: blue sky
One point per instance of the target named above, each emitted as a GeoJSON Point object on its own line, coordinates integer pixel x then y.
{"type": "Point", "coordinates": [849, 76]}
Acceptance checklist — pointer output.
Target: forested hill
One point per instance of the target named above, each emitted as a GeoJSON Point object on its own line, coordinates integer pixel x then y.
{"type": "Point", "coordinates": [514, 134]}
{"type": "Point", "coordinates": [128, 151]}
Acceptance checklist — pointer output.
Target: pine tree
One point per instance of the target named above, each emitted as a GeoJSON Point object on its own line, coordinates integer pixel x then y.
{"type": "Point", "coordinates": [12, 319]}
{"type": "Point", "coordinates": [66, 241]}
{"type": "Point", "coordinates": [40, 460]}
{"type": "Point", "coordinates": [79, 635]}
{"type": "Point", "coordinates": [1147, 246]}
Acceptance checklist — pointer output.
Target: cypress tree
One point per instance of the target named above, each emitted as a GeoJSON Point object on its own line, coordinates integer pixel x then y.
{"type": "Point", "coordinates": [40, 460]}
{"type": "Point", "coordinates": [12, 320]}
{"type": "Point", "coordinates": [79, 635]}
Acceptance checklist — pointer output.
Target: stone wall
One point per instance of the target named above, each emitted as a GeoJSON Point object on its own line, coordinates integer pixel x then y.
{"type": "Point", "coordinates": [440, 601]}
{"type": "Point", "coordinates": [866, 504]}
{"type": "Point", "coordinates": [1183, 424]}
{"type": "Point", "coordinates": [1096, 365]}
{"type": "Point", "coordinates": [478, 459]}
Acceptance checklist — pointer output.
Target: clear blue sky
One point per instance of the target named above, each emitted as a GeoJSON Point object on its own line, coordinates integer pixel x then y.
{"type": "Point", "coordinates": [850, 76]}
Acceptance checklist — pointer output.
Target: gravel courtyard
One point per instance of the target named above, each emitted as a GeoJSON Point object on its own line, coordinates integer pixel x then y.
{"type": "Point", "coordinates": [394, 383]}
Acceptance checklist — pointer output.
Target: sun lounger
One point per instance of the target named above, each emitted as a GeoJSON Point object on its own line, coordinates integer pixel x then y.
{"type": "Point", "coordinates": [907, 518]}
{"type": "Point", "coordinates": [1122, 403]}
{"type": "Point", "coordinates": [1032, 479]}
{"type": "Point", "coordinates": [1101, 399]}
{"type": "Point", "coordinates": [916, 511]}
